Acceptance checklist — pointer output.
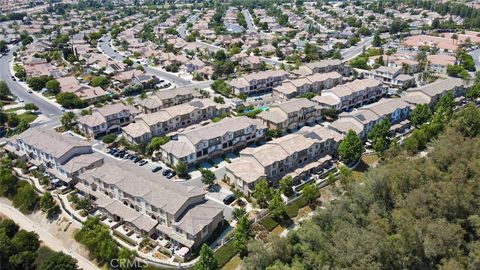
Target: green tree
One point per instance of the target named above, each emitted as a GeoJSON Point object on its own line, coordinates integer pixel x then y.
{"type": "Point", "coordinates": [69, 100]}
{"type": "Point", "coordinates": [156, 142]}
{"type": "Point", "coordinates": [126, 258]}
{"type": "Point", "coordinates": [207, 260]}
{"type": "Point", "coordinates": [8, 183]}
{"type": "Point", "coordinates": [4, 91]}
{"type": "Point", "coordinates": [8, 227]}
{"type": "Point", "coordinates": [68, 120]}
{"type": "Point", "coordinates": [309, 192]}
{"type": "Point", "coordinates": [100, 81]}
{"type": "Point", "coordinates": [286, 184]}
{"type": "Point", "coordinates": [46, 201]}
{"type": "Point", "coordinates": [377, 41]}
{"type": "Point", "coordinates": [262, 193]}
{"type": "Point", "coordinates": [38, 83]}
{"type": "Point", "coordinates": [473, 92]}
{"type": "Point", "coordinates": [379, 135]}
{"type": "Point", "coordinates": [26, 198]}
{"type": "Point", "coordinates": [467, 121]}
{"type": "Point", "coordinates": [30, 107]}
{"type": "Point", "coordinates": [181, 169]}
{"type": "Point", "coordinates": [420, 115]}
{"type": "Point", "coordinates": [59, 261]}
{"type": "Point", "coordinates": [242, 234]}
{"type": "Point", "coordinates": [276, 205]}
{"type": "Point", "coordinates": [13, 120]}
{"type": "Point", "coordinates": [208, 177]}
{"type": "Point", "coordinates": [53, 86]}
{"type": "Point", "coordinates": [351, 148]}
{"type": "Point", "coordinates": [26, 241]}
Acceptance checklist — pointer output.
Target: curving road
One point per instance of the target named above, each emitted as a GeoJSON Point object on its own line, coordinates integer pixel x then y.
{"type": "Point", "coordinates": [47, 108]}
{"type": "Point", "coordinates": [109, 51]}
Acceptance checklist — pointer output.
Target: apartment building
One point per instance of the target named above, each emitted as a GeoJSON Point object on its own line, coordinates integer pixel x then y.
{"type": "Point", "coordinates": [298, 154]}
{"type": "Point", "coordinates": [392, 76]}
{"type": "Point", "coordinates": [291, 115]}
{"type": "Point", "coordinates": [364, 119]}
{"type": "Point", "coordinates": [439, 62]}
{"type": "Point", "coordinates": [213, 140]}
{"type": "Point", "coordinates": [168, 98]}
{"type": "Point", "coordinates": [431, 93]}
{"type": "Point", "coordinates": [311, 83]}
{"type": "Point", "coordinates": [324, 66]}
{"type": "Point", "coordinates": [171, 119]}
{"type": "Point", "coordinates": [151, 206]}
{"type": "Point", "coordinates": [63, 156]}
{"type": "Point", "coordinates": [106, 120]}
{"type": "Point", "coordinates": [258, 82]}
{"type": "Point", "coordinates": [351, 95]}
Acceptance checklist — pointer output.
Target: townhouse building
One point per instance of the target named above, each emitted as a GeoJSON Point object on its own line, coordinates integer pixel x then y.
{"type": "Point", "coordinates": [439, 62]}
{"type": "Point", "coordinates": [324, 66]}
{"type": "Point", "coordinates": [213, 140]}
{"type": "Point", "coordinates": [351, 95]}
{"type": "Point", "coordinates": [391, 76]}
{"type": "Point", "coordinates": [364, 119]}
{"type": "Point", "coordinates": [258, 82]}
{"type": "Point", "coordinates": [431, 93]}
{"type": "Point", "coordinates": [291, 115]}
{"type": "Point", "coordinates": [106, 120]}
{"type": "Point", "coordinates": [168, 98]}
{"type": "Point", "coordinates": [299, 155]}
{"type": "Point", "coordinates": [63, 157]}
{"type": "Point", "coordinates": [311, 83]}
{"type": "Point", "coordinates": [153, 207]}
{"type": "Point", "coordinates": [171, 119]}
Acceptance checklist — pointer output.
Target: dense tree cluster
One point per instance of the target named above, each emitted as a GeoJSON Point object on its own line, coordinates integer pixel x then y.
{"type": "Point", "coordinates": [410, 212]}
{"type": "Point", "coordinates": [19, 250]}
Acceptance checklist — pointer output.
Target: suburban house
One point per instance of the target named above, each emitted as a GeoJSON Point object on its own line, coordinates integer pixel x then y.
{"type": "Point", "coordinates": [299, 154]}
{"type": "Point", "coordinates": [351, 95]}
{"type": "Point", "coordinates": [168, 98]}
{"type": "Point", "coordinates": [155, 208]}
{"type": "Point", "coordinates": [63, 156]}
{"type": "Point", "coordinates": [210, 141]}
{"type": "Point", "coordinates": [364, 119]}
{"type": "Point", "coordinates": [291, 115]}
{"type": "Point", "coordinates": [105, 120]}
{"type": "Point", "coordinates": [431, 93]}
{"type": "Point", "coordinates": [439, 62]}
{"type": "Point", "coordinates": [171, 119]}
{"type": "Point", "coordinates": [258, 82]}
{"type": "Point", "coordinates": [84, 92]}
{"type": "Point", "coordinates": [311, 83]}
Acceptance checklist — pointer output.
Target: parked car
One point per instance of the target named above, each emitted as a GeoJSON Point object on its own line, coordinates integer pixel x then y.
{"type": "Point", "coordinates": [171, 174]}
{"type": "Point", "coordinates": [229, 199]}
{"type": "Point", "coordinates": [143, 162]}
{"type": "Point", "coordinates": [156, 169]}
{"type": "Point", "coordinates": [166, 172]}
{"type": "Point", "coordinates": [132, 157]}
{"type": "Point", "coordinates": [137, 159]}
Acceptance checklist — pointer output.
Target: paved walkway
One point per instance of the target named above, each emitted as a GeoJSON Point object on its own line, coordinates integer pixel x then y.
{"type": "Point", "coordinates": [48, 239]}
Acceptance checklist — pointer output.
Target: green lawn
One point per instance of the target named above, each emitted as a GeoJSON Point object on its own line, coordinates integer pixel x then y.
{"type": "Point", "coordinates": [28, 117]}
{"type": "Point", "coordinates": [233, 264]}
{"type": "Point", "coordinates": [225, 253]}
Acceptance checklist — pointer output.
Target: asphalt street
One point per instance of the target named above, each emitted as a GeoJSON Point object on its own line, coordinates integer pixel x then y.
{"type": "Point", "coordinates": [45, 107]}
{"type": "Point", "coordinates": [356, 50]}
{"type": "Point", "coordinates": [110, 52]}
{"type": "Point", "coordinates": [250, 24]}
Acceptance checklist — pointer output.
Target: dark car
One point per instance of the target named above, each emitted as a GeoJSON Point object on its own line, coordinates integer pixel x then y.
{"type": "Point", "coordinates": [171, 174]}
{"type": "Point", "coordinates": [116, 154]}
{"type": "Point", "coordinates": [156, 169]}
{"type": "Point", "coordinates": [137, 159]}
{"type": "Point", "coordinates": [229, 199]}
{"type": "Point", "coordinates": [132, 157]}
{"type": "Point", "coordinates": [166, 172]}
{"type": "Point", "coordinates": [142, 162]}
